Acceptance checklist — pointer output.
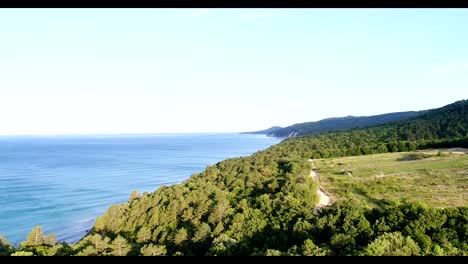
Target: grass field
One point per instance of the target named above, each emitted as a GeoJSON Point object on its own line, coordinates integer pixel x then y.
{"type": "Point", "coordinates": [436, 178]}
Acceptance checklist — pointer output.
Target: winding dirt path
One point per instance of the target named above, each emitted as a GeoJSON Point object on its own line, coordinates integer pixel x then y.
{"type": "Point", "coordinates": [324, 198]}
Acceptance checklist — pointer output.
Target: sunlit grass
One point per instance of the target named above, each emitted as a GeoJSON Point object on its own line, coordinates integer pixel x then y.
{"type": "Point", "coordinates": [437, 179]}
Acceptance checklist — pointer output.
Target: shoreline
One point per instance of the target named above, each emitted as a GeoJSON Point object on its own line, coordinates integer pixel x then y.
{"type": "Point", "coordinates": [79, 198]}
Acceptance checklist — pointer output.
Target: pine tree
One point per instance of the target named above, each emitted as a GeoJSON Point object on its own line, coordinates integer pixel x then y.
{"type": "Point", "coordinates": [392, 244]}
{"type": "Point", "coordinates": [153, 250]}
{"type": "Point", "coordinates": [203, 232]}
{"type": "Point", "coordinates": [180, 236]}
{"type": "Point", "coordinates": [310, 249]}
{"type": "Point", "coordinates": [22, 253]}
{"type": "Point", "coordinates": [88, 251]}
{"type": "Point", "coordinates": [120, 246]}
{"type": "Point", "coordinates": [35, 238]}
{"type": "Point", "coordinates": [143, 235]}
{"type": "Point", "coordinates": [135, 195]}
{"type": "Point", "coordinates": [50, 240]}
{"type": "Point", "coordinates": [101, 245]}
{"type": "Point", "coordinates": [5, 247]}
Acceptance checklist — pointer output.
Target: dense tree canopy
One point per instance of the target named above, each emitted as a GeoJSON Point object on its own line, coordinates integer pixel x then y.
{"type": "Point", "coordinates": [438, 128]}
{"type": "Point", "coordinates": [337, 124]}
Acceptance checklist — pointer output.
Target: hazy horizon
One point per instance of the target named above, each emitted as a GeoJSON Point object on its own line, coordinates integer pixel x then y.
{"type": "Point", "coordinates": [176, 133]}
{"type": "Point", "coordinates": [176, 71]}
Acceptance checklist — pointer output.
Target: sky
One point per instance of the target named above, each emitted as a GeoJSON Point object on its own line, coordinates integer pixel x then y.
{"type": "Point", "coordinates": [113, 71]}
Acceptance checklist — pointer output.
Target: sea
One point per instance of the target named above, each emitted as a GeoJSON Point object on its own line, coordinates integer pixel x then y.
{"type": "Point", "coordinates": [63, 183]}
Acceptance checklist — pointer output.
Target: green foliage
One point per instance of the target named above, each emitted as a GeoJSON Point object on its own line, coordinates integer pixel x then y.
{"type": "Point", "coordinates": [438, 128]}
{"type": "Point", "coordinates": [22, 253]}
{"type": "Point", "coordinates": [5, 247]}
{"type": "Point", "coordinates": [410, 126]}
{"type": "Point", "coordinates": [341, 229]}
{"type": "Point", "coordinates": [181, 236]}
{"type": "Point", "coordinates": [135, 195]}
{"type": "Point", "coordinates": [120, 246]}
{"type": "Point", "coordinates": [62, 249]}
{"type": "Point", "coordinates": [42, 245]}
{"type": "Point", "coordinates": [202, 233]}
{"type": "Point", "coordinates": [153, 250]}
{"type": "Point", "coordinates": [263, 204]}
{"type": "Point", "coordinates": [88, 251]}
{"type": "Point", "coordinates": [223, 246]}
{"type": "Point", "coordinates": [337, 124]}
{"type": "Point", "coordinates": [392, 244]}
{"type": "Point", "coordinates": [35, 238]}
{"type": "Point", "coordinates": [273, 252]}
{"type": "Point", "coordinates": [94, 245]}
{"type": "Point", "coordinates": [310, 249]}
{"type": "Point", "coordinates": [268, 131]}
{"type": "Point", "coordinates": [143, 235]}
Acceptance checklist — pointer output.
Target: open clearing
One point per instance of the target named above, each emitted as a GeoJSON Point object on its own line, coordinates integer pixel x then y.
{"type": "Point", "coordinates": [437, 179]}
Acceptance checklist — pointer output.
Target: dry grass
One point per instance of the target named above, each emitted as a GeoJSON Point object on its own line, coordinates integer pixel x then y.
{"type": "Point", "coordinates": [438, 179]}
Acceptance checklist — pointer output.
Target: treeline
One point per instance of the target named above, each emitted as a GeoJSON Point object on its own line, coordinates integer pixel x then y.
{"type": "Point", "coordinates": [337, 124]}
{"type": "Point", "coordinates": [361, 142]}
{"type": "Point", "coordinates": [245, 199]}
{"type": "Point", "coordinates": [440, 128]}
{"type": "Point", "coordinates": [412, 125]}
{"type": "Point", "coordinates": [344, 229]}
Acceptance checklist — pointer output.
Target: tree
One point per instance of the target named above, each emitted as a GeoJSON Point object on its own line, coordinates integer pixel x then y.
{"type": "Point", "coordinates": [143, 235]}
{"type": "Point", "coordinates": [22, 253]}
{"type": "Point", "coordinates": [202, 233]}
{"type": "Point", "coordinates": [273, 252]}
{"type": "Point", "coordinates": [343, 244]}
{"type": "Point", "coordinates": [50, 240]}
{"type": "Point", "coordinates": [101, 245]}
{"type": "Point", "coordinates": [310, 249]}
{"type": "Point", "coordinates": [61, 249]}
{"type": "Point", "coordinates": [382, 148]}
{"type": "Point", "coordinates": [36, 237]}
{"type": "Point", "coordinates": [120, 246]}
{"type": "Point", "coordinates": [100, 224]}
{"type": "Point", "coordinates": [180, 236]}
{"type": "Point", "coordinates": [135, 195]}
{"type": "Point", "coordinates": [153, 250]}
{"type": "Point", "coordinates": [88, 251]}
{"type": "Point", "coordinates": [222, 246]}
{"type": "Point", "coordinates": [54, 251]}
{"type": "Point", "coordinates": [5, 247]}
{"type": "Point", "coordinates": [392, 244]}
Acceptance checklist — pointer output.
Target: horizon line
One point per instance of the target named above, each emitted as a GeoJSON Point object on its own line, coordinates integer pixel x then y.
{"type": "Point", "coordinates": [211, 132]}
{"type": "Point", "coordinates": [113, 134]}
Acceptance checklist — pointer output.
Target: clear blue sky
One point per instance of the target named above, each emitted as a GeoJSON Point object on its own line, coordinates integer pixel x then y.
{"type": "Point", "coordinates": [87, 71]}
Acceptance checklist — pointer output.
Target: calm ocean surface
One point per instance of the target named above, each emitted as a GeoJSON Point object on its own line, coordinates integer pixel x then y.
{"type": "Point", "coordinates": [64, 182]}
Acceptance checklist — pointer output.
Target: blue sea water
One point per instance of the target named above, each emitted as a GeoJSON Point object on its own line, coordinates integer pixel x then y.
{"type": "Point", "coordinates": [63, 183]}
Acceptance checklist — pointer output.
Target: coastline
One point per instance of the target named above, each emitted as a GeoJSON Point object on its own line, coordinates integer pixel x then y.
{"type": "Point", "coordinates": [80, 188]}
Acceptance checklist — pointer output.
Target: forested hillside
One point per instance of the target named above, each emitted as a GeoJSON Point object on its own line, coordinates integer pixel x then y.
{"type": "Point", "coordinates": [335, 124]}
{"type": "Point", "coordinates": [263, 204]}
{"type": "Point", "coordinates": [264, 132]}
{"type": "Point", "coordinates": [442, 127]}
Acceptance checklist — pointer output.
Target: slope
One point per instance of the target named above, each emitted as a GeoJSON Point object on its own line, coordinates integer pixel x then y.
{"type": "Point", "coordinates": [335, 124]}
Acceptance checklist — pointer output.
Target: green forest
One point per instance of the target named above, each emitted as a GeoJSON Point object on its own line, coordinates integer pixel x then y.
{"type": "Point", "coordinates": [263, 205]}
{"type": "Point", "coordinates": [335, 124]}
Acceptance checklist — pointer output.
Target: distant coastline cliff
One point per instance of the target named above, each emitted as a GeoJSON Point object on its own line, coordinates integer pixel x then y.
{"type": "Point", "coordinates": [335, 124]}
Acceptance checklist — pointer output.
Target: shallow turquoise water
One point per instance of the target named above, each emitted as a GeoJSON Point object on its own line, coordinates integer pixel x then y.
{"type": "Point", "coordinates": [64, 182]}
